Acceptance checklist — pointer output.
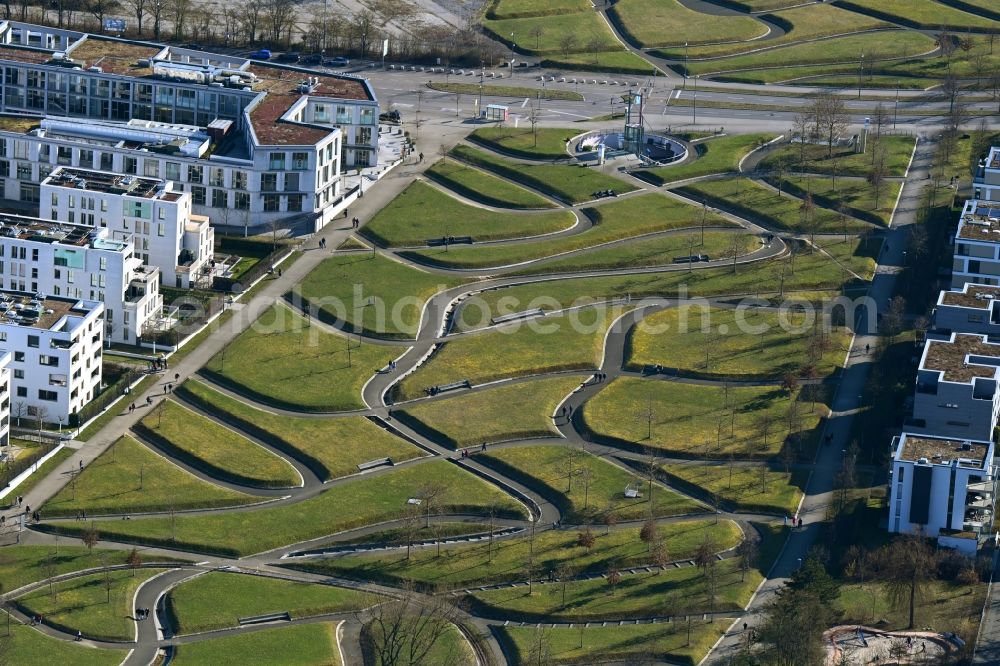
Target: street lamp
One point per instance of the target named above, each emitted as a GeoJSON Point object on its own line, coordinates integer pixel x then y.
{"type": "Point", "coordinates": [687, 64]}
{"type": "Point", "coordinates": [512, 54]}
{"type": "Point", "coordinates": [694, 107]}
{"type": "Point", "coordinates": [861, 72]}
{"type": "Point", "coordinates": [895, 111]}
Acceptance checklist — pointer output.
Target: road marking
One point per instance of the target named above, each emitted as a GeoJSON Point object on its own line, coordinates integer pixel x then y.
{"type": "Point", "coordinates": [525, 102]}
{"type": "Point", "coordinates": [402, 104]}
{"type": "Point", "coordinates": [567, 113]}
{"type": "Point", "coordinates": [678, 95]}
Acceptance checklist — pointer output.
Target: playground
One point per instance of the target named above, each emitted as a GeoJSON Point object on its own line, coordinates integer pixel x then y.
{"type": "Point", "coordinates": [863, 645]}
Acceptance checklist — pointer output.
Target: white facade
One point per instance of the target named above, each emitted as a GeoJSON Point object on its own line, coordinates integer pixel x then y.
{"type": "Point", "coordinates": [986, 183]}
{"type": "Point", "coordinates": [73, 261]}
{"type": "Point", "coordinates": [942, 488]}
{"type": "Point", "coordinates": [5, 389]}
{"type": "Point", "coordinates": [146, 212]}
{"type": "Point", "coordinates": [977, 244]}
{"type": "Point", "coordinates": [56, 364]}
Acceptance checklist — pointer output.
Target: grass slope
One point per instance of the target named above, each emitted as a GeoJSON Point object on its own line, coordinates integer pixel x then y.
{"type": "Point", "coordinates": [661, 22]}
{"type": "Point", "coordinates": [718, 155]}
{"type": "Point", "coordinates": [542, 143]}
{"type": "Point", "coordinates": [29, 647]}
{"type": "Point", "coordinates": [484, 187]}
{"type": "Point", "coordinates": [296, 645]}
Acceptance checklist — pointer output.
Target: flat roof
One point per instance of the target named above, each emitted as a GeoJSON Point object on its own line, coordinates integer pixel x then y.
{"type": "Point", "coordinates": [940, 450]}
{"type": "Point", "coordinates": [272, 131]}
{"type": "Point", "coordinates": [88, 180]}
{"type": "Point", "coordinates": [977, 296]}
{"type": "Point", "coordinates": [993, 159]}
{"type": "Point", "coordinates": [980, 221]}
{"type": "Point", "coordinates": [25, 54]}
{"type": "Point", "coordinates": [113, 55]}
{"type": "Point", "coordinates": [43, 313]}
{"type": "Point", "coordinates": [951, 357]}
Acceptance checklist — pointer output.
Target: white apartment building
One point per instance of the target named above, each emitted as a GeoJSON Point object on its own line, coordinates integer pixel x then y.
{"type": "Point", "coordinates": [146, 212]}
{"type": "Point", "coordinates": [56, 353]}
{"type": "Point", "coordinates": [81, 263]}
{"type": "Point", "coordinates": [250, 141]}
{"type": "Point", "coordinates": [986, 182]}
{"type": "Point", "coordinates": [5, 359]}
{"type": "Point", "coordinates": [944, 488]}
{"type": "Point", "coordinates": [973, 308]}
{"type": "Point", "coordinates": [956, 394]}
{"type": "Point", "coordinates": [977, 244]}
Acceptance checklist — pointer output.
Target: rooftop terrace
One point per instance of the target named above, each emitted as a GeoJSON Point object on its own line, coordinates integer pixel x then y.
{"type": "Point", "coordinates": [42, 231]}
{"type": "Point", "coordinates": [951, 357]}
{"type": "Point", "coordinates": [106, 182]}
{"type": "Point", "coordinates": [980, 221]}
{"type": "Point", "coordinates": [114, 56]}
{"type": "Point", "coordinates": [978, 296]}
{"type": "Point", "coordinates": [41, 312]}
{"type": "Point", "coordinates": [941, 451]}
{"type": "Point", "coordinates": [24, 54]}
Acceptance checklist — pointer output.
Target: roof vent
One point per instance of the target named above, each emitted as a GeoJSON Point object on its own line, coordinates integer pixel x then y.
{"type": "Point", "coordinates": [922, 461]}
{"type": "Point", "coordinates": [966, 445]}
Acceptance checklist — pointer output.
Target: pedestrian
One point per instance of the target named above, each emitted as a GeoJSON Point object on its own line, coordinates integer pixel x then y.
{"type": "Point", "coordinates": [177, 376]}
{"type": "Point", "coordinates": [20, 500]}
{"type": "Point", "coordinates": [131, 408]}
{"type": "Point", "coordinates": [483, 447]}
{"type": "Point", "coordinates": [868, 348]}
{"type": "Point", "coordinates": [744, 626]}
{"type": "Point", "coordinates": [79, 635]}
{"type": "Point", "coordinates": [81, 465]}
{"type": "Point", "coordinates": [785, 520]}
{"type": "Point", "coordinates": [421, 157]}
{"type": "Point", "coordinates": [84, 514]}
{"type": "Point", "coordinates": [279, 272]}
{"type": "Point", "coordinates": [3, 520]}
{"type": "Point", "coordinates": [27, 509]}
{"type": "Point", "coordinates": [149, 400]}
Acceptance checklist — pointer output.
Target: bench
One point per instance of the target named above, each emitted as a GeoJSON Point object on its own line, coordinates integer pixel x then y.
{"type": "Point", "coordinates": [503, 319]}
{"type": "Point", "coordinates": [691, 259]}
{"type": "Point", "coordinates": [449, 240]}
{"type": "Point", "coordinates": [454, 386]}
{"type": "Point", "coordinates": [372, 464]}
{"type": "Point", "coordinates": [271, 617]}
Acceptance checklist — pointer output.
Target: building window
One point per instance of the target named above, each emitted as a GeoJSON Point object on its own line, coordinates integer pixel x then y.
{"type": "Point", "coordinates": [276, 161]}
{"type": "Point", "coordinates": [130, 165]}
{"type": "Point", "coordinates": [295, 204]}
{"type": "Point", "coordinates": [195, 174]}
{"type": "Point", "coordinates": [291, 182]}
{"type": "Point", "coordinates": [364, 135]}
{"type": "Point", "coordinates": [217, 177]}
{"type": "Point", "coordinates": [23, 171]}
{"type": "Point", "coordinates": [151, 168]}
{"type": "Point", "coordinates": [173, 171]}
{"type": "Point", "coordinates": [239, 180]}
{"type": "Point", "coordinates": [33, 341]}
{"type": "Point", "coordinates": [198, 195]}
{"type": "Point", "coordinates": [29, 192]}
{"type": "Point", "coordinates": [48, 396]}
{"type": "Point", "coordinates": [51, 361]}
{"type": "Point", "coordinates": [270, 203]}
{"type": "Point", "coordinates": [242, 201]}
{"type": "Point", "coordinates": [300, 161]}
{"type": "Point", "coordinates": [220, 198]}
{"type": "Point", "coordinates": [268, 182]}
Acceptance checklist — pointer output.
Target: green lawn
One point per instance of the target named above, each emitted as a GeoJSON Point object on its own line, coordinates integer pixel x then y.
{"type": "Point", "coordinates": [719, 155]}
{"type": "Point", "coordinates": [586, 488]}
{"type": "Point", "coordinates": [473, 90]}
{"type": "Point", "coordinates": [451, 647]}
{"type": "Point", "coordinates": [671, 592]}
{"type": "Point", "coordinates": [856, 197]}
{"type": "Point", "coordinates": [945, 606]}
{"type": "Point", "coordinates": [43, 471]}
{"type": "Point", "coordinates": [748, 198]}
{"type": "Point", "coordinates": [30, 647]}
{"type": "Point", "coordinates": [470, 565]}
{"type": "Point", "coordinates": [695, 421]}
{"type": "Point", "coordinates": [661, 22]}
{"type": "Point", "coordinates": [82, 604]}
{"type": "Point", "coordinates": [371, 294]}
{"type": "Point", "coordinates": [112, 484]}
{"type": "Point", "coordinates": [365, 501]}
{"type": "Point", "coordinates": [925, 14]}
{"type": "Point", "coordinates": [484, 187]}
{"type": "Point", "coordinates": [218, 600]}
{"type": "Point", "coordinates": [331, 447]}
{"type": "Point", "coordinates": [622, 218]}
{"type": "Point", "coordinates": [295, 645]}
{"type": "Point", "coordinates": [422, 212]}
{"type": "Point", "coordinates": [577, 32]}
{"type": "Point", "coordinates": [572, 184]}
{"type": "Point", "coordinates": [520, 8]}
{"type": "Point", "coordinates": [613, 642]}
{"type": "Point", "coordinates": [613, 62]}
{"type": "Point", "coordinates": [287, 361]}
{"type": "Point", "coordinates": [27, 563]}
{"type": "Point", "coordinates": [847, 49]}
{"type": "Point", "coordinates": [547, 143]}
{"type": "Point", "coordinates": [843, 161]}
{"type": "Point", "coordinates": [517, 411]}
{"type": "Point", "coordinates": [533, 347]}
{"type": "Point", "coordinates": [440, 529]}
{"type": "Point", "coordinates": [738, 344]}
{"type": "Point", "coordinates": [859, 256]}
{"type": "Point", "coordinates": [747, 488]}
{"type": "Point", "coordinates": [217, 450]}
{"type": "Point", "coordinates": [644, 252]}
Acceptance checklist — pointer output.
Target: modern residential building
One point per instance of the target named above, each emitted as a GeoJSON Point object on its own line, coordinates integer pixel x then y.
{"type": "Point", "coordinates": [5, 359]}
{"type": "Point", "coordinates": [986, 182]}
{"type": "Point", "coordinates": [973, 308]}
{"type": "Point", "coordinates": [56, 353]}
{"type": "Point", "coordinates": [944, 488]}
{"type": "Point", "coordinates": [80, 262]}
{"type": "Point", "coordinates": [250, 141]}
{"type": "Point", "coordinates": [147, 212]}
{"type": "Point", "coordinates": [977, 244]}
{"type": "Point", "coordinates": [956, 394]}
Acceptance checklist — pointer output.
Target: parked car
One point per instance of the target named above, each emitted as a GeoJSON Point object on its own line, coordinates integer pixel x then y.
{"type": "Point", "coordinates": [289, 56]}
{"type": "Point", "coordinates": [390, 116]}
{"type": "Point", "coordinates": [193, 47]}
{"type": "Point", "coordinates": [312, 59]}
{"type": "Point", "coordinates": [339, 61]}
{"type": "Point", "coordinates": [261, 54]}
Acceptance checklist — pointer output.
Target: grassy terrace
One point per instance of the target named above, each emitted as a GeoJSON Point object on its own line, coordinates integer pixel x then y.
{"type": "Point", "coordinates": [890, 44]}
{"type": "Point", "coordinates": [30, 647]}
{"type": "Point", "coordinates": [748, 198]}
{"type": "Point", "coordinates": [481, 186]}
{"type": "Point", "coordinates": [671, 592]}
{"type": "Point", "coordinates": [615, 220]}
{"type": "Point", "coordinates": [857, 255]}
{"type": "Point", "coordinates": [290, 362]}
{"type": "Point", "coordinates": [624, 62]}
{"type": "Point", "coordinates": [503, 91]}
{"type": "Point", "coordinates": [856, 197]}
{"type": "Point", "coordinates": [745, 488]}
{"type": "Point", "coordinates": [810, 271]}
{"type": "Point", "coordinates": [516, 350]}
{"type": "Point", "coordinates": [296, 645]}
{"type": "Point", "coordinates": [924, 14]}
{"type": "Point", "coordinates": [520, 8]}
{"type": "Point", "coordinates": [371, 294]}
{"type": "Point", "coordinates": [470, 565]}
{"type": "Point", "coordinates": [365, 501]}
{"type": "Point", "coordinates": [945, 604]}
{"type": "Point", "coordinates": [843, 161]}
{"type": "Point", "coordinates": [440, 529]}
{"type": "Point", "coordinates": [27, 564]}
{"type": "Point", "coordinates": [663, 22]}
{"type": "Point", "coordinates": [89, 605]}
{"type": "Point", "coordinates": [216, 449]}
{"type": "Point", "coordinates": [572, 184]}
{"type": "Point", "coordinates": [585, 29]}
{"type": "Point", "coordinates": [613, 642]}
{"type": "Point", "coordinates": [644, 252]}
{"type": "Point", "coordinates": [718, 155]}
{"type": "Point", "coordinates": [518, 411]}
{"type": "Point", "coordinates": [111, 485]}
{"type": "Point", "coordinates": [544, 143]}
{"type": "Point", "coordinates": [217, 600]}
{"type": "Point", "coordinates": [331, 447]}
{"type": "Point", "coordinates": [584, 487]}
{"type": "Point", "coordinates": [694, 421]}
{"type": "Point", "coordinates": [422, 212]}
{"type": "Point", "coordinates": [811, 22]}
{"type": "Point", "coordinates": [739, 344]}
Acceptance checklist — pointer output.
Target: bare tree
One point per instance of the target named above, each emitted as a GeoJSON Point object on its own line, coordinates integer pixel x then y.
{"type": "Point", "coordinates": [251, 20]}
{"type": "Point", "coordinates": [800, 128]}
{"type": "Point", "coordinates": [90, 537]}
{"type": "Point", "coordinates": [279, 17]}
{"type": "Point", "coordinates": [831, 118]}
{"type": "Point", "coordinates": [179, 14]}
{"type": "Point", "coordinates": [404, 630]}
{"type": "Point", "coordinates": [157, 10]}
{"type": "Point", "coordinates": [363, 26]}
{"type": "Point", "coordinates": [568, 43]}
{"type": "Point", "coordinates": [430, 493]}
{"type": "Point", "coordinates": [101, 8]}
{"type": "Point", "coordinates": [536, 31]}
{"type": "Point", "coordinates": [878, 173]}
{"type": "Point", "coordinates": [134, 560]}
{"type": "Point", "coordinates": [540, 651]}
{"type": "Point", "coordinates": [649, 534]}
{"type": "Point", "coordinates": [910, 567]}
{"type": "Point", "coordinates": [880, 118]}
